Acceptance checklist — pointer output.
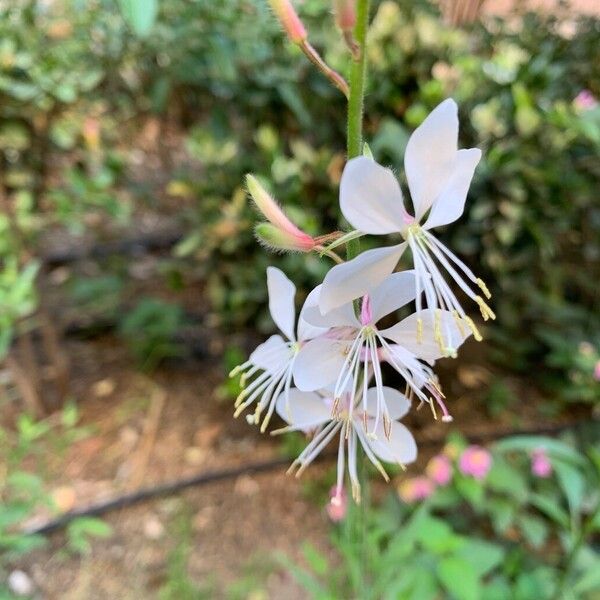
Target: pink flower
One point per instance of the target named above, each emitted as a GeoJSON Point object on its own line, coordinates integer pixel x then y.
{"type": "Point", "coordinates": [540, 463]}
{"type": "Point", "coordinates": [597, 371]}
{"type": "Point", "coordinates": [415, 488]}
{"type": "Point", "coordinates": [475, 461]}
{"type": "Point", "coordinates": [439, 470]}
{"type": "Point", "coordinates": [585, 100]}
{"type": "Point", "coordinates": [337, 505]}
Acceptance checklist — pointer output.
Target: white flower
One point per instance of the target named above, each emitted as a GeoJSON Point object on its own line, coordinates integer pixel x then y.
{"type": "Point", "coordinates": [312, 411]}
{"type": "Point", "coordinates": [353, 348]}
{"type": "Point", "coordinates": [438, 177]}
{"type": "Point", "coordinates": [271, 366]}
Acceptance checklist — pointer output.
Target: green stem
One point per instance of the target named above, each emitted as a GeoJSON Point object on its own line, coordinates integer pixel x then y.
{"type": "Point", "coordinates": [358, 76]}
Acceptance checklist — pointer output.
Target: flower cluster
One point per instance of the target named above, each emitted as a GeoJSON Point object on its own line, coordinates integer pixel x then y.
{"type": "Point", "coordinates": [324, 374]}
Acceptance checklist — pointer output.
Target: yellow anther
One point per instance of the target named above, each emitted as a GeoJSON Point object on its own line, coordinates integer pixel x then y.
{"type": "Point", "coordinates": [474, 329]}
{"type": "Point", "coordinates": [235, 371]}
{"type": "Point", "coordinates": [387, 427]}
{"type": "Point", "coordinates": [486, 311]}
{"type": "Point", "coordinates": [265, 423]}
{"type": "Point", "coordinates": [356, 492]}
{"type": "Point", "coordinates": [335, 408]}
{"type": "Point", "coordinates": [437, 328]}
{"type": "Point", "coordinates": [432, 406]}
{"type": "Point", "coordinates": [438, 388]}
{"type": "Point", "coordinates": [484, 288]}
{"type": "Point", "coordinates": [459, 322]}
{"type": "Point", "coordinates": [420, 330]}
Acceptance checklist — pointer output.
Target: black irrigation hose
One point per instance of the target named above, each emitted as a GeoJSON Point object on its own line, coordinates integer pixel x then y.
{"type": "Point", "coordinates": [166, 489]}
{"type": "Point", "coordinates": [140, 244]}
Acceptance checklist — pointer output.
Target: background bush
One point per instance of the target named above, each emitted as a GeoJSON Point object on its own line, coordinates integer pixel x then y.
{"type": "Point", "coordinates": [224, 76]}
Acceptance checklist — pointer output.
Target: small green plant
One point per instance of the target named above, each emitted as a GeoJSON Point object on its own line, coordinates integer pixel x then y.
{"type": "Point", "coordinates": [23, 491]}
{"type": "Point", "coordinates": [504, 534]}
{"type": "Point", "coordinates": [149, 330]}
{"type": "Point", "coordinates": [178, 584]}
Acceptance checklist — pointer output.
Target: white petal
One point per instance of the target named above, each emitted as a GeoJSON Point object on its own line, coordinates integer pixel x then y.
{"type": "Point", "coordinates": [370, 197]}
{"type": "Point", "coordinates": [396, 290]}
{"type": "Point", "coordinates": [342, 316]}
{"type": "Point", "coordinates": [307, 331]}
{"type": "Point", "coordinates": [305, 410]}
{"type": "Point", "coordinates": [281, 301]}
{"type": "Point", "coordinates": [355, 278]}
{"type": "Point", "coordinates": [397, 403]}
{"type": "Point", "coordinates": [405, 334]}
{"type": "Point", "coordinates": [271, 355]}
{"type": "Point", "coordinates": [430, 156]}
{"type": "Point", "coordinates": [318, 363]}
{"type": "Point", "coordinates": [399, 448]}
{"type": "Point", "coordinates": [450, 204]}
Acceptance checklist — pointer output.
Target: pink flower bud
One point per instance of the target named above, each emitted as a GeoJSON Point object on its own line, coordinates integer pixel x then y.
{"type": "Point", "coordinates": [345, 14]}
{"type": "Point", "coordinates": [540, 463]}
{"type": "Point", "coordinates": [475, 461]}
{"type": "Point", "coordinates": [337, 505]}
{"type": "Point", "coordinates": [283, 234]}
{"type": "Point", "coordinates": [585, 100]}
{"type": "Point", "coordinates": [289, 19]}
{"type": "Point", "coordinates": [415, 488]}
{"type": "Point", "coordinates": [439, 470]}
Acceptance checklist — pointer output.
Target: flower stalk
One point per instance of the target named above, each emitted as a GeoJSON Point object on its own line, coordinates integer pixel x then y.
{"type": "Point", "coordinates": [296, 32]}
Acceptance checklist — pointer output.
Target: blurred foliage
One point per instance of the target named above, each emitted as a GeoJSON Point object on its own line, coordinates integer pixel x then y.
{"type": "Point", "coordinates": [24, 455]}
{"type": "Point", "coordinates": [510, 535]}
{"type": "Point", "coordinates": [75, 84]}
{"type": "Point", "coordinates": [149, 330]}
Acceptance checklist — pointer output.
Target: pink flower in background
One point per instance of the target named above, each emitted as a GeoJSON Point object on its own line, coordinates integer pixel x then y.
{"type": "Point", "coordinates": [597, 371]}
{"type": "Point", "coordinates": [439, 470]}
{"type": "Point", "coordinates": [337, 505]}
{"type": "Point", "coordinates": [415, 488]}
{"type": "Point", "coordinates": [475, 461]}
{"type": "Point", "coordinates": [540, 463]}
{"type": "Point", "coordinates": [585, 100]}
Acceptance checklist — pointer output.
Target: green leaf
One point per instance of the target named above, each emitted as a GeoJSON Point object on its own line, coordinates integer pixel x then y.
{"type": "Point", "coordinates": [470, 489]}
{"type": "Point", "coordinates": [482, 556]}
{"type": "Point", "coordinates": [572, 483]}
{"type": "Point", "coordinates": [459, 578]}
{"type": "Point", "coordinates": [502, 513]}
{"type": "Point", "coordinates": [497, 589]}
{"type": "Point", "coordinates": [316, 560]}
{"type": "Point", "coordinates": [528, 443]}
{"type": "Point", "coordinates": [140, 15]}
{"type": "Point", "coordinates": [534, 529]}
{"type": "Point", "coordinates": [550, 509]}
{"type": "Point", "coordinates": [589, 581]}
{"type": "Point", "coordinates": [504, 478]}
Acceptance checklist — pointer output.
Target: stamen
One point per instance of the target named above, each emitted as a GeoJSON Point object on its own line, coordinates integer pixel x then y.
{"type": "Point", "coordinates": [387, 426]}
{"type": "Point", "coordinates": [486, 311]}
{"type": "Point", "coordinates": [420, 330]}
{"type": "Point", "coordinates": [458, 320]}
{"type": "Point", "coordinates": [474, 329]}
{"type": "Point", "coordinates": [484, 288]}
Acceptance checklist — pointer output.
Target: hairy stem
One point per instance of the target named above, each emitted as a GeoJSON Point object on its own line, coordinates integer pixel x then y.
{"type": "Point", "coordinates": [358, 75]}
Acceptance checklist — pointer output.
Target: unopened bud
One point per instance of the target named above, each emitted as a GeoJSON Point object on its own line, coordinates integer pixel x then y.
{"type": "Point", "coordinates": [276, 239]}
{"type": "Point", "coordinates": [273, 213]}
{"type": "Point", "coordinates": [345, 14]}
{"type": "Point", "coordinates": [289, 20]}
